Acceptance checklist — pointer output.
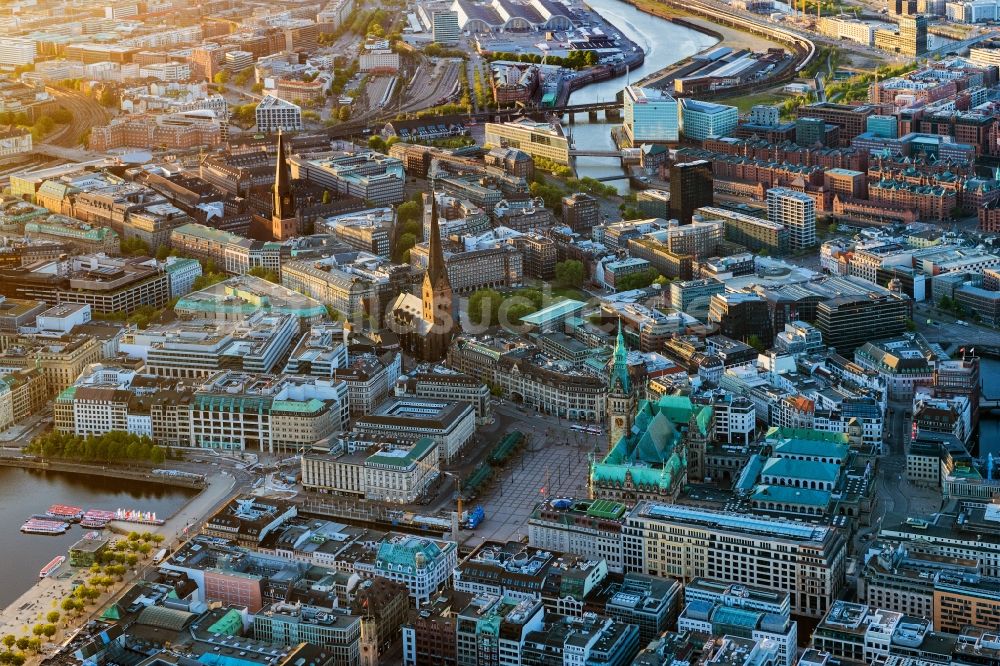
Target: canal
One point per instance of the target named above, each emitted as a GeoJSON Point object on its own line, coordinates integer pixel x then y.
{"type": "Point", "coordinates": [25, 492]}
{"type": "Point", "coordinates": [664, 44]}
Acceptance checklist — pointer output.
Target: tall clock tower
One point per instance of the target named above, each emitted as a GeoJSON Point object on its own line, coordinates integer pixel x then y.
{"type": "Point", "coordinates": [621, 394]}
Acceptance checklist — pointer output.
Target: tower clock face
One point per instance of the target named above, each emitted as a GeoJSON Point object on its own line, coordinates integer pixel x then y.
{"type": "Point", "coordinates": [619, 422]}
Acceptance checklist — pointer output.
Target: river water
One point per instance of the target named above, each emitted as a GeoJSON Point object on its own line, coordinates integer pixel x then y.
{"type": "Point", "coordinates": [664, 44]}
{"type": "Point", "coordinates": [25, 492]}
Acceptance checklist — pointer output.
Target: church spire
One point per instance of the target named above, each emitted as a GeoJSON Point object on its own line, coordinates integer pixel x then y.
{"type": "Point", "coordinates": [436, 270]}
{"type": "Point", "coordinates": [619, 370]}
{"type": "Point", "coordinates": [284, 205]}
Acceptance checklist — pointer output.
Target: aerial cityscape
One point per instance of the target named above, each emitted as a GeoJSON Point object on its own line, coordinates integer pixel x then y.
{"type": "Point", "coordinates": [500, 332]}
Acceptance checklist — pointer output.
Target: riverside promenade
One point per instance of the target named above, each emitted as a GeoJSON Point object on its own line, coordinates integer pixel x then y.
{"type": "Point", "coordinates": [46, 595]}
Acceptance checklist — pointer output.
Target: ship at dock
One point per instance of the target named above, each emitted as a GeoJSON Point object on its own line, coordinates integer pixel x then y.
{"type": "Point", "coordinates": [71, 514]}
{"type": "Point", "coordinates": [48, 527]}
{"type": "Point", "coordinates": [96, 519]}
{"type": "Point", "coordinates": [51, 566]}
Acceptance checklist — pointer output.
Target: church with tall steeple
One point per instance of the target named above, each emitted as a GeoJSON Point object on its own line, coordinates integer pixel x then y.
{"type": "Point", "coordinates": [426, 324]}
{"type": "Point", "coordinates": [622, 399]}
{"type": "Point", "coordinates": [284, 222]}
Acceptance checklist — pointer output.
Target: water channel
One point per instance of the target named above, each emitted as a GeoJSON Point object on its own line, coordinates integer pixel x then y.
{"type": "Point", "coordinates": [664, 44]}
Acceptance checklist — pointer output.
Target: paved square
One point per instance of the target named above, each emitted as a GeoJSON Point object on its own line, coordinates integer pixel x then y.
{"type": "Point", "coordinates": [554, 464]}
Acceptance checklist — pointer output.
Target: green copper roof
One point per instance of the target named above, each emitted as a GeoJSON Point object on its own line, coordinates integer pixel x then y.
{"type": "Point", "coordinates": [416, 452]}
{"type": "Point", "coordinates": [402, 553]}
{"type": "Point", "coordinates": [802, 469]}
{"type": "Point", "coordinates": [788, 495]}
{"type": "Point", "coordinates": [811, 447]}
{"type": "Point", "coordinates": [805, 433]}
{"type": "Point", "coordinates": [620, 381]}
{"type": "Point", "coordinates": [230, 624]}
{"type": "Point", "coordinates": [310, 406]}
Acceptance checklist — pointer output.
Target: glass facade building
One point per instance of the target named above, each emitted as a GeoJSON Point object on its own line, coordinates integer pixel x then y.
{"type": "Point", "coordinates": [650, 116]}
{"type": "Point", "coordinates": [706, 120]}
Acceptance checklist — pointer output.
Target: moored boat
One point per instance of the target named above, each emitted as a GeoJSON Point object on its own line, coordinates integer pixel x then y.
{"type": "Point", "coordinates": [51, 566]}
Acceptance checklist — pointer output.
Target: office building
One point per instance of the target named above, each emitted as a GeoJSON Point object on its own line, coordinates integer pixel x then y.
{"type": "Point", "coordinates": [367, 176]}
{"type": "Point", "coordinates": [274, 114]}
{"type": "Point", "coordinates": [450, 424]}
{"type": "Point", "coordinates": [650, 116]}
{"type": "Point", "coordinates": [445, 29]}
{"type": "Point", "coordinates": [706, 120]}
{"type": "Point", "coordinates": [852, 120]}
{"type": "Point", "coordinates": [761, 614]}
{"type": "Point", "coordinates": [691, 187]}
{"type": "Point", "coordinates": [545, 140]}
{"type": "Point", "coordinates": [591, 529]}
{"type": "Point", "coordinates": [751, 232]}
{"type": "Point", "coordinates": [106, 284]}
{"type": "Point", "coordinates": [440, 383]}
{"type": "Point", "coordinates": [694, 296]}
{"type": "Point", "coordinates": [397, 475]}
{"type": "Point", "coordinates": [653, 203]}
{"type": "Point", "coordinates": [16, 51]}
{"type": "Point", "coordinates": [648, 602]}
{"type": "Point", "coordinates": [885, 127]}
{"type": "Point", "coordinates": [581, 212]}
{"type": "Point", "coordinates": [796, 211]}
{"type": "Point", "coordinates": [909, 39]}
{"type": "Point", "coordinates": [338, 632]}
{"type": "Point", "coordinates": [807, 561]}
{"type": "Point", "coordinates": [741, 316]}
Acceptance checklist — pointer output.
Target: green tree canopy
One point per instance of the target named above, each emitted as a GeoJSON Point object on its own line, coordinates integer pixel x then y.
{"type": "Point", "coordinates": [570, 273]}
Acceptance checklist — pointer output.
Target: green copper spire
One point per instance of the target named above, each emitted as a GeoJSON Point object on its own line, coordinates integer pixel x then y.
{"type": "Point", "coordinates": [619, 371]}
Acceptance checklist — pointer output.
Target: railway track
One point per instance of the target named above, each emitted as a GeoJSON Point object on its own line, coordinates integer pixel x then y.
{"type": "Point", "coordinates": [86, 112]}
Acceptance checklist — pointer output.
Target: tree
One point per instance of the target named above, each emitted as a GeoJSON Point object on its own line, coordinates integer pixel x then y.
{"type": "Point", "coordinates": [206, 280]}
{"type": "Point", "coordinates": [344, 114]}
{"type": "Point", "coordinates": [221, 78]}
{"type": "Point", "coordinates": [409, 211]}
{"type": "Point", "coordinates": [376, 143]}
{"type": "Point", "coordinates": [133, 246]}
{"type": "Point", "coordinates": [637, 280]}
{"type": "Point", "coordinates": [52, 617]}
{"type": "Point", "coordinates": [163, 252]}
{"type": "Point", "coordinates": [49, 630]}
{"type": "Point", "coordinates": [755, 342]}
{"type": "Point", "coordinates": [484, 307]}
{"type": "Point", "coordinates": [326, 197]}
{"type": "Point", "coordinates": [264, 274]}
{"type": "Point", "coordinates": [22, 643]}
{"type": "Point", "coordinates": [570, 273]}
{"type": "Point", "coordinates": [68, 604]}
{"type": "Point", "coordinates": [405, 242]}
{"type": "Point", "coordinates": [9, 640]}
{"type": "Point", "coordinates": [35, 645]}
{"type": "Point", "coordinates": [108, 97]}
